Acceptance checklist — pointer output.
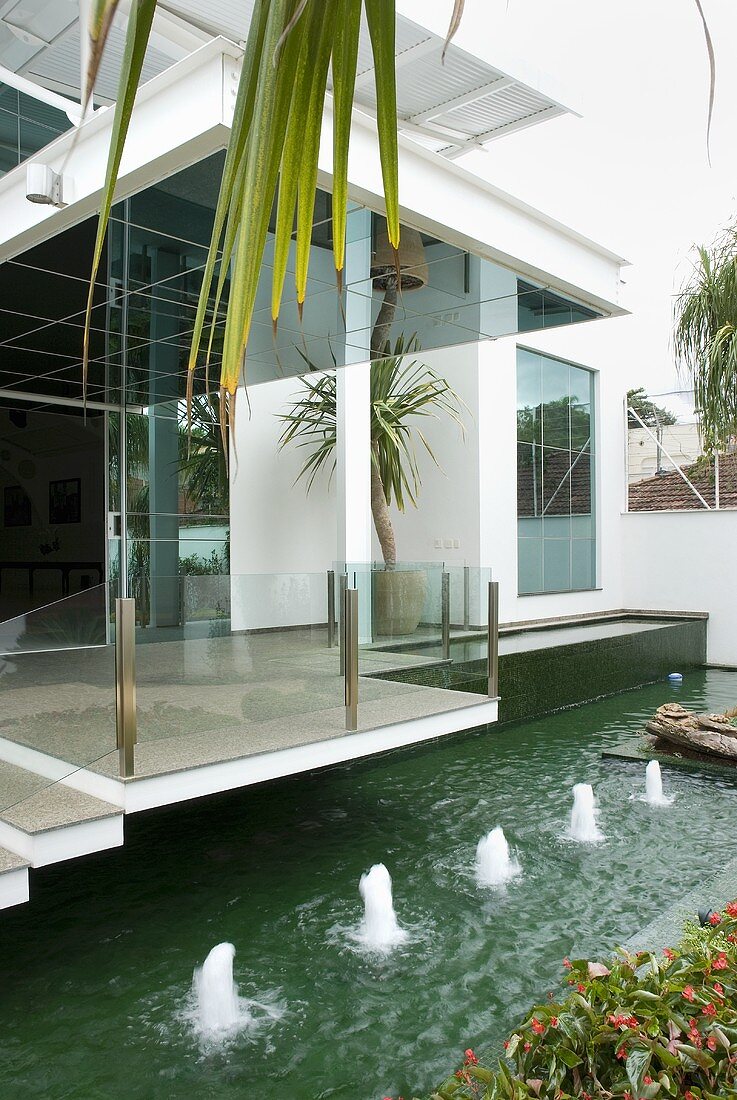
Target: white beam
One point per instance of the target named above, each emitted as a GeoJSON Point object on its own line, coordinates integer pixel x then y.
{"type": "Point", "coordinates": [181, 116]}
{"type": "Point", "coordinates": [422, 49]}
{"type": "Point", "coordinates": [72, 110]}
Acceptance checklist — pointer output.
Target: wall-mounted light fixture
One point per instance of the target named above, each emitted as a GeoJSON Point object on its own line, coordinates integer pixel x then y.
{"type": "Point", "coordinates": [44, 185]}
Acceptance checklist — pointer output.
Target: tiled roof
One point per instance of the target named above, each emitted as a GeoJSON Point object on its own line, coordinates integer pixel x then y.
{"type": "Point", "coordinates": [669, 491]}
{"type": "Point", "coordinates": [559, 485]}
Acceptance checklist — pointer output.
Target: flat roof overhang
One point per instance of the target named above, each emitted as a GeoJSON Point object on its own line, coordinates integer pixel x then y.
{"type": "Point", "coordinates": [184, 115]}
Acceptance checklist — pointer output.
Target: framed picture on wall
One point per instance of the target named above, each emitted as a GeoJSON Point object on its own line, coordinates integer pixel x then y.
{"type": "Point", "coordinates": [16, 507]}
{"type": "Point", "coordinates": [65, 501]}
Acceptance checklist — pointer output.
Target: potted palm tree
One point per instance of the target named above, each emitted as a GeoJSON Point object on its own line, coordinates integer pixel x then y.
{"type": "Point", "coordinates": [402, 390]}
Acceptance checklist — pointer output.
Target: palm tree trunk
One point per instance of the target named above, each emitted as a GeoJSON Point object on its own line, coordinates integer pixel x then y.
{"type": "Point", "coordinates": [379, 507]}
{"type": "Point", "coordinates": [382, 519]}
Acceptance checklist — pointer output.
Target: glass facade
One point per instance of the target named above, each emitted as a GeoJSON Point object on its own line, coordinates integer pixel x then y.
{"type": "Point", "coordinates": [26, 125]}
{"type": "Point", "coordinates": [556, 518]}
{"type": "Point", "coordinates": [167, 511]}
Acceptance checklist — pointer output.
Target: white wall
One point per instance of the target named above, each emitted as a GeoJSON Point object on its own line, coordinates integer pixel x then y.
{"type": "Point", "coordinates": [276, 528]}
{"type": "Point", "coordinates": [685, 561]}
{"type": "Point", "coordinates": [585, 345]}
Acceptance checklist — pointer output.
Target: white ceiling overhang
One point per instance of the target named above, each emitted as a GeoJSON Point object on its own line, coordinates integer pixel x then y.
{"type": "Point", "coordinates": [449, 106]}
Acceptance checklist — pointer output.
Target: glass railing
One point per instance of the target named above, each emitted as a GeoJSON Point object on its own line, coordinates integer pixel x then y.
{"type": "Point", "coordinates": [228, 666]}
{"type": "Point", "coordinates": [57, 706]}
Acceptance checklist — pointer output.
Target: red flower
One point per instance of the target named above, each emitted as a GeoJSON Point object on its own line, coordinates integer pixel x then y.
{"type": "Point", "coordinates": [471, 1059]}
{"type": "Point", "coordinates": [622, 1053]}
{"type": "Point", "coordinates": [567, 963]}
{"type": "Point", "coordinates": [731, 909]}
{"type": "Point", "coordinates": [688, 1095]}
{"type": "Point", "coordinates": [715, 919]}
{"type": "Point", "coordinates": [709, 1010]}
{"type": "Point", "coordinates": [688, 992]}
{"type": "Point", "coordinates": [506, 1044]}
{"type": "Point", "coordinates": [581, 988]}
{"type": "Point", "coordinates": [720, 963]}
{"type": "Point", "coordinates": [553, 1021]}
{"type": "Point", "coordinates": [711, 1043]}
{"type": "Point", "coordinates": [718, 989]}
{"type": "Point", "coordinates": [626, 1095]}
{"type": "Point", "coordinates": [538, 1027]}
{"type": "Point", "coordinates": [669, 954]}
{"type": "Point", "coordinates": [527, 1047]}
{"type": "Point", "coordinates": [647, 1079]}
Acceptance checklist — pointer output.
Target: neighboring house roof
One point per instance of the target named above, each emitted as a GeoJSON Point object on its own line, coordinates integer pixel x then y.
{"type": "Point", "coordinates": [557, 485]}
{"type": "Point", "coordinates": [669, 491]}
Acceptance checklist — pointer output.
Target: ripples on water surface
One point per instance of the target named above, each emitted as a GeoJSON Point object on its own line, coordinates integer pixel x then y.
{"type": "Point", "coordinates": [95, 974]}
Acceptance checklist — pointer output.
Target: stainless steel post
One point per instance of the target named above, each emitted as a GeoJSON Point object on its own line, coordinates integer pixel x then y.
{"type": "Point", "coordinates": [331, 608]}
{"type": "Point", "coordinates": [445, 615]}
{"type": "Point", "coordinates": [466, 596]}
{"type": "Point", "coordinates": [126, 719]}
{"type": "Point", "coordinates": [350, 618]}
{"type": "Point", "coordinates": [341, 606]}
{"type": "Point", "coordinates": [493, 688]}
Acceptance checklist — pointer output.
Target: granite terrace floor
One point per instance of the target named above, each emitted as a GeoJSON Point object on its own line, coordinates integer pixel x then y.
{"type": "Point", "coordinates": [203, 700]}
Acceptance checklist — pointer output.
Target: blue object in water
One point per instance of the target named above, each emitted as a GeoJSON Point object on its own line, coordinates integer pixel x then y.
{"type": "Point", "coordinates": [675, 677]}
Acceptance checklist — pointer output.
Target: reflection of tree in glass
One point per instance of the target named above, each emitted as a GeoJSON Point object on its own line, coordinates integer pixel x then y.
{"type": "Point", "coordinates": [551, 421]}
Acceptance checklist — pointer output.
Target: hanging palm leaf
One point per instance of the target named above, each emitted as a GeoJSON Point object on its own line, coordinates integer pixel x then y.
{"type": "Point", "coordinates": [274, 147]}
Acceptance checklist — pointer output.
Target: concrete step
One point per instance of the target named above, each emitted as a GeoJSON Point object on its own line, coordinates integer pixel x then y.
{"type": "Point", "coordinates": [13, 879]}
{"type": "Point", "coordinates": [45, 822]}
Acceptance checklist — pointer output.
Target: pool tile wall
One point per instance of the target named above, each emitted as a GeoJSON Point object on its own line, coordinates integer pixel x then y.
{"type": "Point", "coordinates": [539, 681]}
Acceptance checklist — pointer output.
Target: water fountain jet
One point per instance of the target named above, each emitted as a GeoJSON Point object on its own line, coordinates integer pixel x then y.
{"type": "Point", "coordinates": [380, 929]}
{"type": "Point", "coordinates": [494, 865]}
{"type": "Point", "coordinates": [654, 786]}
{"type": "Point", "coordinates": [583, 815]}
{"type": "Point", "coordinates": [217, 1009]}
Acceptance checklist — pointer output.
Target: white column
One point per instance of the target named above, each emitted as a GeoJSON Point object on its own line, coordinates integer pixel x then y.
{"type": "Point", "coordinates": [353, 400]}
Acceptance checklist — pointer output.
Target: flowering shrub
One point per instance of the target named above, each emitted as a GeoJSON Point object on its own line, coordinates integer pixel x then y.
{"type": "Point", "coordinates": [642, 1027]}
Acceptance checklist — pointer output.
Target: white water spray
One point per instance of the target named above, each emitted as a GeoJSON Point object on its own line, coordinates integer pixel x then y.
{"type": "Point", "coordinates": [380, 929]}
{"type": "Point", "coordinates": [217, 1010]}
{"type": "Point", "coordinates": [654, 786]}
{"type": "Point", "coordinates": [494, 864]}
{"type": "Point", "coordinates": [583, 815]}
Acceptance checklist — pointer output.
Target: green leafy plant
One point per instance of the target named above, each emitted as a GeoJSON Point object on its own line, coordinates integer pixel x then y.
{"type": "Point", "coordinates": [273, 149]}
{"type": "Point", "coordinates": [401, 392]}
{"type": "Point", "coordinates": [651, 414]}
{"type": "Point", "coordinates": [706, 339]}
{"type": "Point", "coordinates": [638, 1028]}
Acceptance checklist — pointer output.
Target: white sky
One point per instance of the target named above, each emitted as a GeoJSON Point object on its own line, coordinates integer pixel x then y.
{"type": "Point", "coordinates": [633, 172]}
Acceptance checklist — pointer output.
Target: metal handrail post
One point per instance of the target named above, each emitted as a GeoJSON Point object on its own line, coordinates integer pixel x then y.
{"type": "Point", "coordinates": [445, 614]}
{"type": "Point", "coordinates": [126, 718]}
{"type": "Point", "coordinates": [341, 632]}
{"type": "Point", "coordinates": [331, 608]}
{"type": "Point", "coordinates": [493, 650]}
{"type": "Point", "coordinates": [466, 596]}
{"type": "Point", "coordinates": [350, 618]}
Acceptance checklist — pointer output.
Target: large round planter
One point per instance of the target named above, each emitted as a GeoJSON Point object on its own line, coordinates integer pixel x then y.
{"type": "Point", "coordinates": [399, 597]}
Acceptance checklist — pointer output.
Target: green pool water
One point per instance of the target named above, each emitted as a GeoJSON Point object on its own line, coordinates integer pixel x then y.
{"type": "Point", "coordinates": [95, 972]}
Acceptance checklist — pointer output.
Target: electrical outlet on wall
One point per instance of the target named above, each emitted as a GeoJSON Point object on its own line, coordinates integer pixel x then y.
{"type": "Point", "coordinates": [449, 544]}
{"type": "Point", "coordinates": [456, 544]}
{"type": "Point", "coordinates": [438, 544]}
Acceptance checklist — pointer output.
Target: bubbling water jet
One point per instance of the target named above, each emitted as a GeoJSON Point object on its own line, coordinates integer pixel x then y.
{"type": "Point", "coordinates": [583, 816]}
{"type": "Point", "coordinates": [654, 786]}
{"type": "Point", "coordinates": [380, 929]}
{"type": "Point", "coordinates": [494, 865]}
{"type": "Point", "coordinates": [217, 1009]}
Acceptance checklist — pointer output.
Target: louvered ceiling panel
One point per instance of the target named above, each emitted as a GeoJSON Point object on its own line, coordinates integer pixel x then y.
{"type": "Point", "coordinates": [448, 107]}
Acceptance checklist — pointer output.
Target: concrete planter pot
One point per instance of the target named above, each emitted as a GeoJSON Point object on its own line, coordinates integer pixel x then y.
{"type": "Point", "coordinates": [399, 597]}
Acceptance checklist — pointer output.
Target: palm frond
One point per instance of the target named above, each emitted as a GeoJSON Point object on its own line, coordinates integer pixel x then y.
{"type": "Point", "coordinates": [705, 339]}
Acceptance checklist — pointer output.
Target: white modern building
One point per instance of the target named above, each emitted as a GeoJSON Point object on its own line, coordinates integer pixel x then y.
{"type": "Point", "coordinates": [237, 680]}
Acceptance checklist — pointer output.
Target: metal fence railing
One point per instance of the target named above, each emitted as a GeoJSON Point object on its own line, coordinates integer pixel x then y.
{"type": "Point", "coordinates": [667, 469]}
